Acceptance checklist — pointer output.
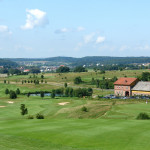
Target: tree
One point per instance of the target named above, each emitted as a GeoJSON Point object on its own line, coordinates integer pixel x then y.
{"type": "Point", "coordinates": [5, 81]}
{"type": "Point", "coordinates": [12, 95]}
{"type": "Point", "coordinates": [14, 71]}
{"type": "Point", "coordinates": [39, 116]}
{"type": "Point", "coordinates": [80, 69]}
{"type": "Point", "coordinates": [42, 94]}
{"type": "Point", "coordinates": [37, 82]}
{"type": "Point", "coordinates": [28, 94]}
{"type": "Point", "coordinates": [145, 76]}
{"type": "Point", "coordinates": [78, 80]}
{"type": "Point", "coordinates": [6, 91]}
{"type": "Point", "coordinates": [65, 85]}
{"type": "Point", "coordinates": [24, 110]}
{"type": "Point", "coordinates": [71, 92]}
{"type": "Point", "coordinates": [35, 70]}
{"type": "Point", "coordinates": [53, 94]}
{"type": "Point", "coordinates": [90, 91]}
{"type": "Point", "coordinates": [18, 91]}
{"type": "Point", "coordinates": [67, 91]}
{"type": "Point", "coordinates": [42, 76]}
{"type": "Point", "coordinates": [62, 69]}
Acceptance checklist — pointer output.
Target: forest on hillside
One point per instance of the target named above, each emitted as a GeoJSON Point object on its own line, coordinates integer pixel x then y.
{"type": "Point", "coordinates": [86, 60]}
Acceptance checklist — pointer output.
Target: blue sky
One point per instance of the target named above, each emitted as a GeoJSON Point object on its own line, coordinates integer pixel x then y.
{"type": "Point", "coordinates": [48, 28]}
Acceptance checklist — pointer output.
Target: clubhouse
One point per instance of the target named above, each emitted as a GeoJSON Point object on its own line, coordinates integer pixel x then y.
{"type": "Point", "coordinates": [131, 86]}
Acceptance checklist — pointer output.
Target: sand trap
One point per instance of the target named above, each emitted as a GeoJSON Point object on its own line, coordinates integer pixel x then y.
{"type": "Point", "coordinates": [64, 103]}
{"type": "Point", "coordinates": [2, 106]}
{"type": "Point", "coordinates": [10, 102]}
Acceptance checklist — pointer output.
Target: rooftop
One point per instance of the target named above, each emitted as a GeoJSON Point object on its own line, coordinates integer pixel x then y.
{"type": "Point", "coordinates": [142, 86]}
{"type": "Point", "coordinates": [125, 81]}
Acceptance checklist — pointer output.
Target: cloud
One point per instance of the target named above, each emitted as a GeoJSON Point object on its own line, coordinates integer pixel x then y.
{"type": "Point", "coordinates": [5, 29]}
{"type": "Point", "coordinates": [63, 30]}
{"type": "Point", "coordinates": [35, 18]}
{"type": "Point", "coordinates": [80, 29]}
{"type": "Point", "coordinates": [100, 39]}
{"type": "Point", "coordinates": [89, 38]}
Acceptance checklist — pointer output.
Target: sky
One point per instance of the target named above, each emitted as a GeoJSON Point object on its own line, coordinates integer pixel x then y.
{"type": "Point", "coordinates": [74, 28]}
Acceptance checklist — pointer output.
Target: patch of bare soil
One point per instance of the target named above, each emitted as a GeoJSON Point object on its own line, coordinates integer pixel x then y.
{"type": "Point", "coordinates": [10, 102]}
{"type": "Point", "coordinates": [2, 106]}
{"type": "Point", "coordinates": [63, 103]}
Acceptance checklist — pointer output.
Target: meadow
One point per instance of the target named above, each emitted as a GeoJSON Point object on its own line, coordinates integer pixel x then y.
{"type": "Point", "coordinates": [106, 125]}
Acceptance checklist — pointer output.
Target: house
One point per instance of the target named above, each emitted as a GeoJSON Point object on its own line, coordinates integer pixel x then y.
{"type": "Point", "coordinates": [123, 86]}
{"type": "Point", "coordinates": [27, 70]}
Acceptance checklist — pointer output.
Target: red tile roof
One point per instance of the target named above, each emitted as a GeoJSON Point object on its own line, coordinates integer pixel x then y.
{"type": "Point", "coordinates": [125, 81]}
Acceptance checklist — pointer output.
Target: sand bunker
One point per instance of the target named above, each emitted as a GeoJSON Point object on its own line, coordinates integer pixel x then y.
{"type": "Point", "coordinates": [63, 103]}
{"type": "Point", "coordinates": [10, 102]}
{"type": "Point", "coordinates": [2, 106]}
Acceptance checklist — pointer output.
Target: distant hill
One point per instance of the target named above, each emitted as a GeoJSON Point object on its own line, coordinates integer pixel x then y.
{"type": "Point", "coordinates": [7, 63]}
{"type": "Point", "coordinates": [88, 60]}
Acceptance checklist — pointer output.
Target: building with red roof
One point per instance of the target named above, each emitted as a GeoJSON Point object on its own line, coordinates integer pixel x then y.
{"type": "Point", "coordinates": [123, 86]}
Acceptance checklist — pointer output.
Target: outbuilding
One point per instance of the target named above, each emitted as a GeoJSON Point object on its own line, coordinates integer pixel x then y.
{"type": "Point", "coordinates": [141, 88]}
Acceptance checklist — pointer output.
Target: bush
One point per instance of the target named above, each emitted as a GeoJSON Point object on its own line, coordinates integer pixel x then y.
{"type": "Point", "coordinates": [12, 95]}
{"type": "Point", "coordinates": [53, 94]}
{"type": "Point", "coordinates": [39, 116]}
{"type": "Point", "coordinates": [24, 110]}
{"type": "Point", "coordinates": [30, 117]}
{"type": "Point", "coordinates": [84, 109]}
{"type": "Point", "coordinates": [143, 116]}
{"type": "Point", "coordinates": [78, 80]}
{"type": "Point", "coordinates": [18, 91]}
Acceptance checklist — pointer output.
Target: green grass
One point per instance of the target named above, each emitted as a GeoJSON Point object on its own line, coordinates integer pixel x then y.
{"type": "Point", "coordinates": [105, 126]}
{"type": "Point", "coordinates": [75, 134]}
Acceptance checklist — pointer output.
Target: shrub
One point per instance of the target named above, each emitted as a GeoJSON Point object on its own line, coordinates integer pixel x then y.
{"type": "Point", "coordinates": [143, 116]}
{"type": "Point", "coordinates": [24, 110]}
{"type": "Point", "coordinates": [78, 80]}
{"type": "Point", "coordinates": [12, 95]}
{"type": "Point", "coordinates": [18, 91]}
{"type": "Point", "coordinates": [84, 109]}
{"type": "Point", "coordinates": [53, 94]}
{"type": "Point", "coordinates": [30, 117]}
{"type": "Point", "coordinates": [6, 91]}
{"type": "Point", "coordinates": [39, 116]}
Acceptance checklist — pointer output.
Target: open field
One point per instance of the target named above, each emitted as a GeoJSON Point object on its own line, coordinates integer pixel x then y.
{"type": "Point", "coordinates": [107, 124]}
{"type": "Point", "coordinates": [67, 127]}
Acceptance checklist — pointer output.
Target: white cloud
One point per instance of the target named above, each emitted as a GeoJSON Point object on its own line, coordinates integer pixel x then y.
{"type": "Point", "coordinates": [88, 38]}
{"type": "Point", "coordinates": [80, 29]}
{"type": "Point", "coordinates": [100, 39]}
{"type": "Point", "coordinates": [35, 18]}
{"type": "Point", "coordinates": [4, 29]}
{"type": "Point", "coordinates": [63, 30]}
